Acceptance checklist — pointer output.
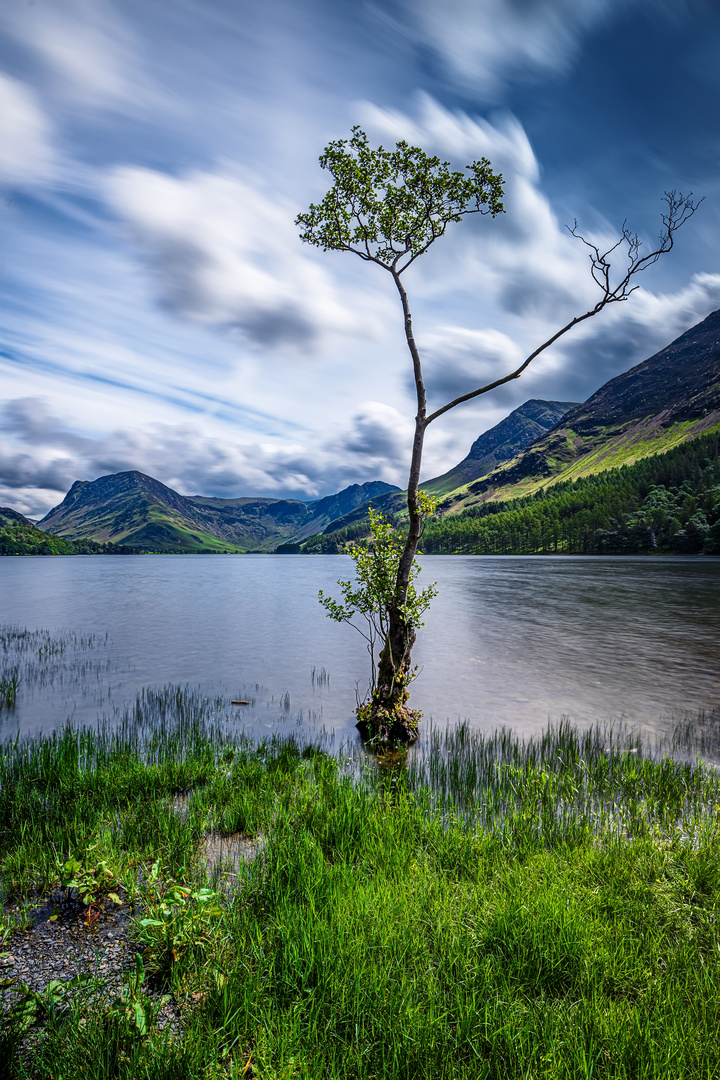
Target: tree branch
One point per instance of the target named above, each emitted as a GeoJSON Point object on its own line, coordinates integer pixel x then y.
{"type": "Point", "coordinates": [679, 209]}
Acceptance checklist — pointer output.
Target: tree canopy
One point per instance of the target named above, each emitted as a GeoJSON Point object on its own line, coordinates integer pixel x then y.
{"type": "Point", "coordinates": [389, 206]}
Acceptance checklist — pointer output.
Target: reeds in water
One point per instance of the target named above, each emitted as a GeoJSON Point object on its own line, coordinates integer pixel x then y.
{"type": "Point", "coordinates": [487, 907]}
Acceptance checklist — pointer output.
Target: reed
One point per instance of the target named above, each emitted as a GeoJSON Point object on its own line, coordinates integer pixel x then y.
{"type": "Point", "coordinates": [480, 906]}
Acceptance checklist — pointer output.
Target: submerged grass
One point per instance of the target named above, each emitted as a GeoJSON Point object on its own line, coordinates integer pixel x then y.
{"type": "Point", "coordinates": [488, 907]}
{"type": "Point", "coordinates": [33, 660]}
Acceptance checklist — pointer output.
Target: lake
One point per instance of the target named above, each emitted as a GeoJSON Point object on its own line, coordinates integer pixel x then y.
{"type": "Point", "coordinates": [515, 640]}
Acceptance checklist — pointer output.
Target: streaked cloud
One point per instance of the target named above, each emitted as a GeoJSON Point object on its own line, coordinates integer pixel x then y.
{"type": "Point", "coordinates": [154, 288]}
{"type": "Point", "coordinates": [224, 253]}
{"type": "Point", "coordinates": [26, 151]}
{"type": "Point", "coordinates": [41, 456]}
{"type": "Point", "coordinates": [86, 52]}
{"type": "Point", "coordinates": [486, 42]}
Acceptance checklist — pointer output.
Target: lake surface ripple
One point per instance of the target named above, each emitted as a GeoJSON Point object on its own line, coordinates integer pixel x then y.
{"type": "Point", "coordinates": [516, 640]}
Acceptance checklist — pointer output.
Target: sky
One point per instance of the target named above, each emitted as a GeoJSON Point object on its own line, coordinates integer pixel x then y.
{"type": "Point", "coordinates": [158, 310]}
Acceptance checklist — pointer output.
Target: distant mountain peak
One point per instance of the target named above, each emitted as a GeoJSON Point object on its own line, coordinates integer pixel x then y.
{"type": "Point", "coordinates": [520, 429]}
{"type": "Point", "coordinates": [672, 396]}
{"type": "Point", "coordinates": [138, 511]}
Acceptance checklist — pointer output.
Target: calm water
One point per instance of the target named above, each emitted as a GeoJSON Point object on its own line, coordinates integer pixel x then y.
{"type": "Point", "coordinates": [508, 641]}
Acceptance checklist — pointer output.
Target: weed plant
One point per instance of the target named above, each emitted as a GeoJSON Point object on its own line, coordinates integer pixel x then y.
{"type": "Point", "coordinates": [486, 907]}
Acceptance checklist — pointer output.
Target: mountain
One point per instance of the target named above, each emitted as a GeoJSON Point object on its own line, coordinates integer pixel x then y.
{"type": "Point", "coordinates": [500, 443]}
{"type": "Point", "coordinates": [504, 441]}
{"type": "Point", "coordinates": [9, 516]}
{"type": "Point", "coordinates": [660, 404]}
{"type": "Point", "coordinates": [139, 512]}
{"type": "Point", "coordinates": [667, 502]}
{"type": "Point", "coordinates": [19, 536]}
{"type": "Point", "coordinates": [302, 519]}
{"type": "Point", "coordinates": [671, 398]}
{"type": "Point", "coordinates": [667, 399]}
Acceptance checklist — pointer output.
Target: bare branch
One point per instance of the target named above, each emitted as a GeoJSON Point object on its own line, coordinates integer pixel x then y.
{"type": "Point", "coordinates": [680, 208]}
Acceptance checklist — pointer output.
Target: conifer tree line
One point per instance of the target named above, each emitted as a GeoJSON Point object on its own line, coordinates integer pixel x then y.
{"type": "Point", "coordinates": [668, 503]}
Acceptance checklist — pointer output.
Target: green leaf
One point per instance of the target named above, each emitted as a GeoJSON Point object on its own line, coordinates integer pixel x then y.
{"type": "Point", "coordinates": [140, 1018]}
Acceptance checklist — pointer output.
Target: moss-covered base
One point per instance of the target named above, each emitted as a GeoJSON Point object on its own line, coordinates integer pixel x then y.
{"type": "Point", "coordinates": [380, 726]}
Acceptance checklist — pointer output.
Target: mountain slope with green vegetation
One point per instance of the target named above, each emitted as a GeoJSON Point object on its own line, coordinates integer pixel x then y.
{"type": "Point", "coordinates": [660, 405]}
{"type": "Point", "coordinates": [143, 514]}
{"type": "Point", "coordinates": [500, 443]}
{"type": "Point", "coordinates": [135, 510]}
{"type": "Point", "coordinates": [665, 503]}
{"type": "Point", "coordinates": [524, 426]}
{"type": "Point", "coordinates": [18, 536]}
{"type": "Point", "coordinates": [667, 399]}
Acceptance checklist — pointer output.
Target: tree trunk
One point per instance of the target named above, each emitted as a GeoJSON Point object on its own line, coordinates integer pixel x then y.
{"type": "Point", "coordinates": [387, 717]}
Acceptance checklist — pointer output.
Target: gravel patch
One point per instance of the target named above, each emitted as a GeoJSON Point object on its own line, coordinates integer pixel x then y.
{"type": "Point", "coordinates": [56, 944]}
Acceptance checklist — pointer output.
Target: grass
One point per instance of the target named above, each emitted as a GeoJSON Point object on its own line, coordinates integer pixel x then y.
{"type": "Point", "coordinates": [615, 448]}
{"type": "Point", "coordinates": [477, 907]}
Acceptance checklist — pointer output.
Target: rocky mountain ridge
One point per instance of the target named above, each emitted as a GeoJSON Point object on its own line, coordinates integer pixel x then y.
{"type": "Point", "coordinates": [671, 397]}
{"type": "Point", "coordinates": [140, 512]}
{"type": "Point", "coordinates": [667, 399]}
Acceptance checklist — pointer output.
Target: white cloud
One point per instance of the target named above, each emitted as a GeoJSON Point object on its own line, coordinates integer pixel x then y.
{"type": "Point", "coordinates": [26, 153]}
{"type": "Point", "coordinates": [524, 262]}
{"type": "Point", "coordinates": [629, 333]}
{"type": "Point", "coordinates": [484, 41]}
{"type": "Point", "coordinates": [224, 253]}
{"type": "Point", "coordinates": [458, 360]}
{"type": "Point", "coordinates": [457, 134]}
{"type": "Point", "coordinates": [86, 46]}
{"type": "Point", "coordinates": [528, 274]}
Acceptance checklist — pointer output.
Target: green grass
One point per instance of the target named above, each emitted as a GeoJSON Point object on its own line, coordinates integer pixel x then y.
{"type": "Point", "coordinates": [612, 448]}
{"type": "Point", "coordinates": [478, 907]}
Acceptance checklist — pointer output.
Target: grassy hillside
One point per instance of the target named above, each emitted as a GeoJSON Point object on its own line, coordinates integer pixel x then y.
{"type": "Point", "coordinates": [565, 455]}
{"type": "Point", "coordinates": [137, 512]}
{"type": "Point", "coordinates": [666, 503]}
{"type": "Point", "coordinates": [19, 539]}
{"type": "Point", "coordinates": [669, 502]}
{"type": "Point", "coordinates": [669, 398]}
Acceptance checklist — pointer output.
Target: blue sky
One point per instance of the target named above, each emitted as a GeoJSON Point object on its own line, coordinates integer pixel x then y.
{"type": "Point", "coordinates": [157, 309]}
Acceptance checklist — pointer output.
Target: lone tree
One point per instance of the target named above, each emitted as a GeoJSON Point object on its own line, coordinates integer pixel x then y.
{"type": "Point", "coordinates": [388, 207]}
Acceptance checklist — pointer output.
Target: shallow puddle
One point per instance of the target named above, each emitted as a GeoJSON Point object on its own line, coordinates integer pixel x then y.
{"type": "Point", "coordinates": [230, 852]}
